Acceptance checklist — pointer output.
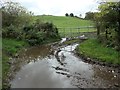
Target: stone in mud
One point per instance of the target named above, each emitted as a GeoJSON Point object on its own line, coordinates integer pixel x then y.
{"type": "Point", "coordinates": [93, 62]}
{"type": "Point", "coordinates": [77, 73]}
{"type": "Point", "coordinates": [63, 55]}
{"type": "Point", "coordinates": [118, 71]}
{"type": "Point", "coordinates": [83, 37]}
{"type": "Point", "coordinates": [25, 49]}
{"type": "Point", "coordinates": [68, 76]}
{"type": "Point", "coordinates": [116, 85]}
{"type": "Point", "coordinates": [98, 63]}
{"type": "Point", "coordinates": [63, 69]}
{"type": "Point", "coordinates": [16, 55]}
{"type": "Point", "coordinates": [57, 68]}
{"type": "Point", "coordinates": [9, 62]}
{"type": "Point", "coordinates": [10, 58]}
{"type": "Point", "coordinates": [88, 59]}
{"type": "Point", "coordinates": [109, 65]}
{"type": "Point", "coordinates": [113, 71]}
{"type": "Point", "coordinates": [52, 52]}
{"type": "Point", "coordinates": [103, 64]}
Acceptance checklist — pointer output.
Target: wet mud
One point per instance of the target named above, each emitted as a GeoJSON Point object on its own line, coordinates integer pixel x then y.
{"type": "Point", "coordinates": [49, 66]}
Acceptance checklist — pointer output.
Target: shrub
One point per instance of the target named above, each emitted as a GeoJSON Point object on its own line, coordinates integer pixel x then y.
{"type": "Point", "coordinates": [10, 32]}
{"type": "Point", "coordinates": [38, 32]}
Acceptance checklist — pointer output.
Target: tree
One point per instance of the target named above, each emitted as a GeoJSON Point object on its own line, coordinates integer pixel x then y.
{"type": "Point", "coordinates": [109, 21]}
{"type": "Point", "coordinates": [66, 14]}
{"type": "Point", "coordinates": [97, 22]}
{"type": "Point", "coordinates": [89, 16]}
{"type": "Point", "coordinates": [13, 13]}
{"type": "Point", "coordinates": [14, 18]}
{"type": "Point", "coordinates": [71, 14]}
{"type": "Point", "coordinates": [80, 15]}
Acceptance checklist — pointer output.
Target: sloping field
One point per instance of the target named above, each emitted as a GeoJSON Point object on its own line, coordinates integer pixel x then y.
{"type": "Point", "coordinates": [68, 25]}
{"type": "Point", "coordinates": [65, 22]}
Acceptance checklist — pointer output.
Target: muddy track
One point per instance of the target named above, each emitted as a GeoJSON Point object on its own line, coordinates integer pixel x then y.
{"type": "Point", "coordinates": [57, 66]}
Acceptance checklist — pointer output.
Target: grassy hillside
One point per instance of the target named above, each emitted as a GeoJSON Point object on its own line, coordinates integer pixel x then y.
{"type": "Point", "coordinates": [65, 22]}
{"type": "Point", "coordinates": [67, 25]}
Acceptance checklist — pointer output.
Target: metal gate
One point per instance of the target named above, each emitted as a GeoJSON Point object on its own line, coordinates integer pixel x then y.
{"type": "Point", "coordinates": [89, 31]}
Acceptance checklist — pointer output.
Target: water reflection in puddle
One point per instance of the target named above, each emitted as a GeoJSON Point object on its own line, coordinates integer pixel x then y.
{"type": "Point", "coordinates": [45, 71]}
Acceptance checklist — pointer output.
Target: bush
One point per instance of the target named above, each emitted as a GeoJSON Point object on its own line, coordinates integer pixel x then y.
{"type": "Point", "coordinates": [38, 32]}
{"type": "Point", "coordinates": [10, 32]}
{"type": "Point", "coordinates": [66, 14]}
{"type": "Point", "coordinates": [71, 14]}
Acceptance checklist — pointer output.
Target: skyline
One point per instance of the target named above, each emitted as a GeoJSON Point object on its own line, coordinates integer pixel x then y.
{"type": "Point", "coordinates": [59, 7]}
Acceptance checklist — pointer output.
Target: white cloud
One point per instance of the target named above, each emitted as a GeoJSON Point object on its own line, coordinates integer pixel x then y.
{"type": "Point", "coordinates": [59, 7]}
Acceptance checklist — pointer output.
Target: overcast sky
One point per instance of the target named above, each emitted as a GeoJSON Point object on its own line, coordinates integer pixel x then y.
{"type": "Point", "coordinates": [59, 7]}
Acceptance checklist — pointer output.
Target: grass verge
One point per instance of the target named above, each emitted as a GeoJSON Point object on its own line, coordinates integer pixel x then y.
{"type": "Point", "coordinates": [93, 49]}
{"type": "Point", "coordinates": [9, 48]}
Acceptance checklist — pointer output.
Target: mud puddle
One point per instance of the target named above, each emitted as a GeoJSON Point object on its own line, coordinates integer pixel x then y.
{"type": "Point", "coordinates": [47, 67]}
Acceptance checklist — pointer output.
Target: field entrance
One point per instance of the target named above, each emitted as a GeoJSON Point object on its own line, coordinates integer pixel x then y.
{"type": "Point", "coordinates": [88, 31]}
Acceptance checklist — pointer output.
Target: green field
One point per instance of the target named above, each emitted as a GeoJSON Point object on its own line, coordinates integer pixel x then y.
{"type": "Point", "coordinates": [65, 22]}
{"type": "Point", "coordinates": [68, 25]}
